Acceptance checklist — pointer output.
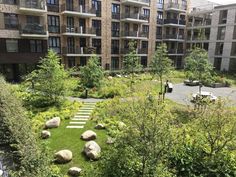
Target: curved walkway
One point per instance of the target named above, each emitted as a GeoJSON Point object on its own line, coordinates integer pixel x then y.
{"type": "Point", "coordinates": [182, 93]}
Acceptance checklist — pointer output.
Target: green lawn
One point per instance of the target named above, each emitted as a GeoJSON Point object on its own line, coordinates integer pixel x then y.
{"type": "Point", "coordinates": [63, 138]}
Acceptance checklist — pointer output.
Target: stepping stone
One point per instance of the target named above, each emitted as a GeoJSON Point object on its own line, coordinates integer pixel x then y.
{"type": "Point", "coordinates": [85, 110]}
{"type": "Point", "coordinates": [83, 113]}
{"type": "Point", "coordinates": [81, 116]}
{"type": "Point", "coordinates": [77, 123]}
{"type": "Point", "coordinates": [75, 126]}
{"type": "Point", "coordinates": [80, 119]}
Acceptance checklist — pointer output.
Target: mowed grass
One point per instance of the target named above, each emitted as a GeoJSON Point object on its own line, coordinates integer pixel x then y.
{"type": "Point", "coordinates": [63, 138]}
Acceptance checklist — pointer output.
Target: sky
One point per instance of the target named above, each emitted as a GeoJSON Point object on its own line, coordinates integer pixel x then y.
{"type": "Point", "coordinates": [224, 1]}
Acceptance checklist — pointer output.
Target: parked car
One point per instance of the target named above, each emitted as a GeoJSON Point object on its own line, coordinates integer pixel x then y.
{"type": "Point", "coordinates": [202, 95]}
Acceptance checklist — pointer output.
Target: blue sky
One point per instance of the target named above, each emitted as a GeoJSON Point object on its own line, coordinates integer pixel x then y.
{"type": "Point", "coordinates": [224, 1]}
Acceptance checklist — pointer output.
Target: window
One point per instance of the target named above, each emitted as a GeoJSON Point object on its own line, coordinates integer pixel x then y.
{"type": "Point", "coordinates": [223, 17]}
{"type": "Point", "coordinates": [217, 63]}
{"type": "Point", "coordinates": [115, 9]}
{"type": "Point", "coordinates": [159, 15]}
{"type": "Point", "coordinates": [54, 44]}
{"type": "Point", "coordinates": [71, 62]}
{"type": "Point", "coordinates": [232, 65]}
{"type": "Point", "coordinates": [234, 35]}
{"type": "Point", "coordinates": [36, 46]}
{"type": "Point", "coordinates": [115, 46]}
{"type": "Point", "coordinates": [10, 2]}
{"type": "Point", "coordinates": [97, 44]}
{"type": "Point", "coordinates": [146, 12]}
{"type": "Point", "coordinates": [115, 29]}
{"type": "Point", "coordinates": [219, 48]}
{"type": "Point", "coordinates": [97, 6]}
{"type": "Point", "coordinates": [114, 63]}
{"type": "Point", "coordinates": [11, 21]}
{"type": "Point", "coordinates": [233, 49]}
{"type": "Point", "coordinates": [97, 26]}
{"type": "Point", "coordinates": [54, 2]}
{"type": "Point", "coordinates": [53, 24]}
{"type": "Point", "coordinates": [144, 61]}
{"type": "Point", "coordinates": [32, 19]}
{"type": "Point", "coordinates": [146, 29]}
{"type": "Point", "coordinates": [221, 33]}
{"type": "Point", "coordinates": [12, 45]}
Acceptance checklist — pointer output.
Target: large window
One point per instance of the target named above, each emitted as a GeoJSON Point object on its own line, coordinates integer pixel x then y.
{"type": "Point", "coordinates": [32, 19]}
{"type": "Point", "coordinates": [36, 46]}
{"type": "Point", "coordinates": [53, 24]}
{"type": "Point", "coordinates": [217, 63]}
{"type": "Point", "coordinates": [71, 62]}
{"type": "Point", "coordinates": [97, 44]}
{"type": "Point", "coordinates": [97, 5]}
{"type": "Point", "coordinates": [115, 29]}
{"type": "Point", "coordinates": [54, 44]}
{"type": "Point", "coordinates": [11, 21]}
{"type": "Point", "coordinates": [53, 5]}
{"type": "Point", "coordinates": [233, 49]}
{"type": "Point", "coordinates": [12, 45]}
{"type": "Point", "coordinates": [114, 63]}
{"type": "Point", "coordinates": [115, 9]}
{"type": "Point", "coordinates": [221, 33]}
{"type": "Point", "coordinates": [11, 2]}
{"type": "Point", "coordinates": [223, 17]}
{"type": "Point", "coordinates": [115, 46]}
{"type": "Point", "coordinates": [97, 26]}
{"type": "Point", "coordinates": [232, 65]}
{"type": "Point", "coordinates": [219, 48]}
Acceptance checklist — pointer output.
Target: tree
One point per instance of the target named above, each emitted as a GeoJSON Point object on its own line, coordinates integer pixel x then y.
{"type": "Point", "coordinates": [198, 66]}
{"type": "Point", "coordinates": [143, 142]}
{"type": "Point", "coordinates": [92, 74]}
{"type": "Point", "coordinates": [49, 81]}
{"type": "Point", "coordinates": [161, 65]}
{"type": "Point", "coordinates": [18, 141]}
{"type": "Point", "coordinates": [131, 63]}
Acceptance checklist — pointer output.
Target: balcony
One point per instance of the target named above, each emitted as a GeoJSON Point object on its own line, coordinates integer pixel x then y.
{"type": "Point", "coordinates": [174, 22]}
{"type": "Point", "coordinates": [176, 52]}
{"type": "Point", "coordinates": [158, 36]}
{"type": "Point", "coordinates": [78, 51]}
{"type": "Point", "coordinates": [83, 12]}
{"type": "Point", "coordinates": [160, 21]}
{"type": "Point", "coordinates": [53, 7]}
{"type": "Point", "coordinates": [139, 3]}
{"type": "Point", "coordinates": [32, 7]}
{"type": "Point", "coordinates": [33, 30]}
{"type": "Point", "coordinates": [78, 31]}
{"type": "Point", "coordinates": [139, 51]}
{"type": "Point", "coordinates": [175, 7]}
{"type": "Point", "coordinates": [115, 16]}
{"type": "Point", "coordinates": [136, 18]}
{"type": "Point", "coordinates": [173, 37]}
{"type": "Point", "coordinates": [115, 50]}
{"type": "Point", "coordinates": [134, 35]}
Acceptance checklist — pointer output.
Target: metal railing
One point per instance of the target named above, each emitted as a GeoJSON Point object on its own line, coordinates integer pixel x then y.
{"type": "Point", "coordinates": [33, 28]}
{"type": "Point", "coordinates": [81, 9]}
{"type": "Point", "coordinates": [115, 16]}
{"type": "Point", "coordinates": [138, 50]}
{"type": "Point", "coordinates": [173, 36]}
{"type": "Point", "coordinates": [33, 4]}
{"type": "Point", "coordinates": [175, 6]}
{"type": "Point", "coordinates": [53, 7]}
{"type": "Point", "coordinates": [175, 21]}
{"type": "Point", "coordinates": [134, 34]}
{"type": "Point", "coordinates": [136, 16]}
{"type": "Point", "coordinates": [79, 50]}
{"type": "Point", "coordinates": [80, 30]}
{"type": "Point", "coordinates": [141, 1]}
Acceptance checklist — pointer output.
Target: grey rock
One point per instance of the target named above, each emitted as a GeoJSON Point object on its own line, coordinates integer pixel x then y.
{"type": "Point", "coordinates": [53, 123]}
{"type": "Point", "coordinates": [92, 150]}
{"type": "Point", "coordinates": [63, 156]}
{"type": "Point", "coordinates": [88, 135]}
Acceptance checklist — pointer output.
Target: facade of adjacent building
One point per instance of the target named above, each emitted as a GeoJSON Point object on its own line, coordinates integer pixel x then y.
{"type": "Point", "coordinates": [76, 29]}
{"type": "Point", "coordinates": [214, 29]}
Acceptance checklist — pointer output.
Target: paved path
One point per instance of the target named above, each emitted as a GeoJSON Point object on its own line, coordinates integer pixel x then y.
{"type": "Point", "coordinates": [182, 93]}
{"type": "Point", "coordinates": [83, 115]}
{"type": "Point", "coordinates": [86, 100]}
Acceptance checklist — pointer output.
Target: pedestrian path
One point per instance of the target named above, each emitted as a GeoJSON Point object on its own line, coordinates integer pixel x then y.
{"type": "Point", "coordinates": [82, 116]}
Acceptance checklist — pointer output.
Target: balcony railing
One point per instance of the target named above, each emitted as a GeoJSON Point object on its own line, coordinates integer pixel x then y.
{"type": "Point", "coordinates": [158, 36]}
{"type": "Point", "coordinates": [175, 51]}
{"type": "Point", "coordinates": [80, 9]}
{"type": "Point", "coordinates": [115, 50]}
{"type": "Point", "coordinates": [135, 16]}
{"type": "Point", "coordinates": [138, 50]}
{"type": "Point", "coordinates": [115, 33]}
{"type": "Point", "coordinates": [78, 30]}
{"type": "Point", "coordinates": [175, 6]}
{"type": "Point", "coordinates": [53, 7]}
{"type": "Point", "coordinates": [174, 21]}
{"type": "Point", "coordinates": [134, 34]}
{"type": "Point", "coordinates": [54, 29]}
{"type": "Point", "coordinates": [78, 50]}
{"type": "Point", "coordinates": [116, 16]}
{"type": "Point", "coordinates": [33, 28]}
{"type": "Point", "coordinates": [33, 4]}
{"type": "Point", "coordinates": [160, 21]}
{"type": "Point", "coordinates": [174, 36]}
{"type": "Point", "coordinates": [137, 1]}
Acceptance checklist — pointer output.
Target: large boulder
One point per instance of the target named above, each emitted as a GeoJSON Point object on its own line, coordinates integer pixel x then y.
{"type": "Point", "coordinates": [45, 134]}
{"type": "Point", "coordinates": [53, 123]}
{"type": "Point", "coordinates": [99, 126]}
{"type": "Point", "coordinates": [63, 156]}
{"type": "Point", "coordinates": [74, 171]}
{"type": "Point", "coordinates": [92, 150]}
{"type": "Point", "coordinates": [88, 135]}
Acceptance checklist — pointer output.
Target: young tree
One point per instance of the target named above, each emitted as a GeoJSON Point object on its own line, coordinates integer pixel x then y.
{"type": "Point", "coordinates": [161, 65]}
{"type": "Point", "coordinates": [131, 63]}
{"type": "Point", "coordinates": [197, 66]}
{"type": "Point", "coordinates": [49, 81]}
{"type": "Point", "coordinates": [143, 142]}
{"type": "Point", "coordinates": [18, 141]}
{"type": "Point", "coordinates": [92, 74]}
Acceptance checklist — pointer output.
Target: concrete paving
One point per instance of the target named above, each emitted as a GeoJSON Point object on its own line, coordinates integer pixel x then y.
{"type": "Point", "coordinates": [182, 94]}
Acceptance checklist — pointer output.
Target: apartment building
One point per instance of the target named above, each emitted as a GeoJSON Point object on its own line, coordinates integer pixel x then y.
{"type": "Point", "coordinates": [214, 29]}
{"type": "Point", "coordinates": [76, 29]}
